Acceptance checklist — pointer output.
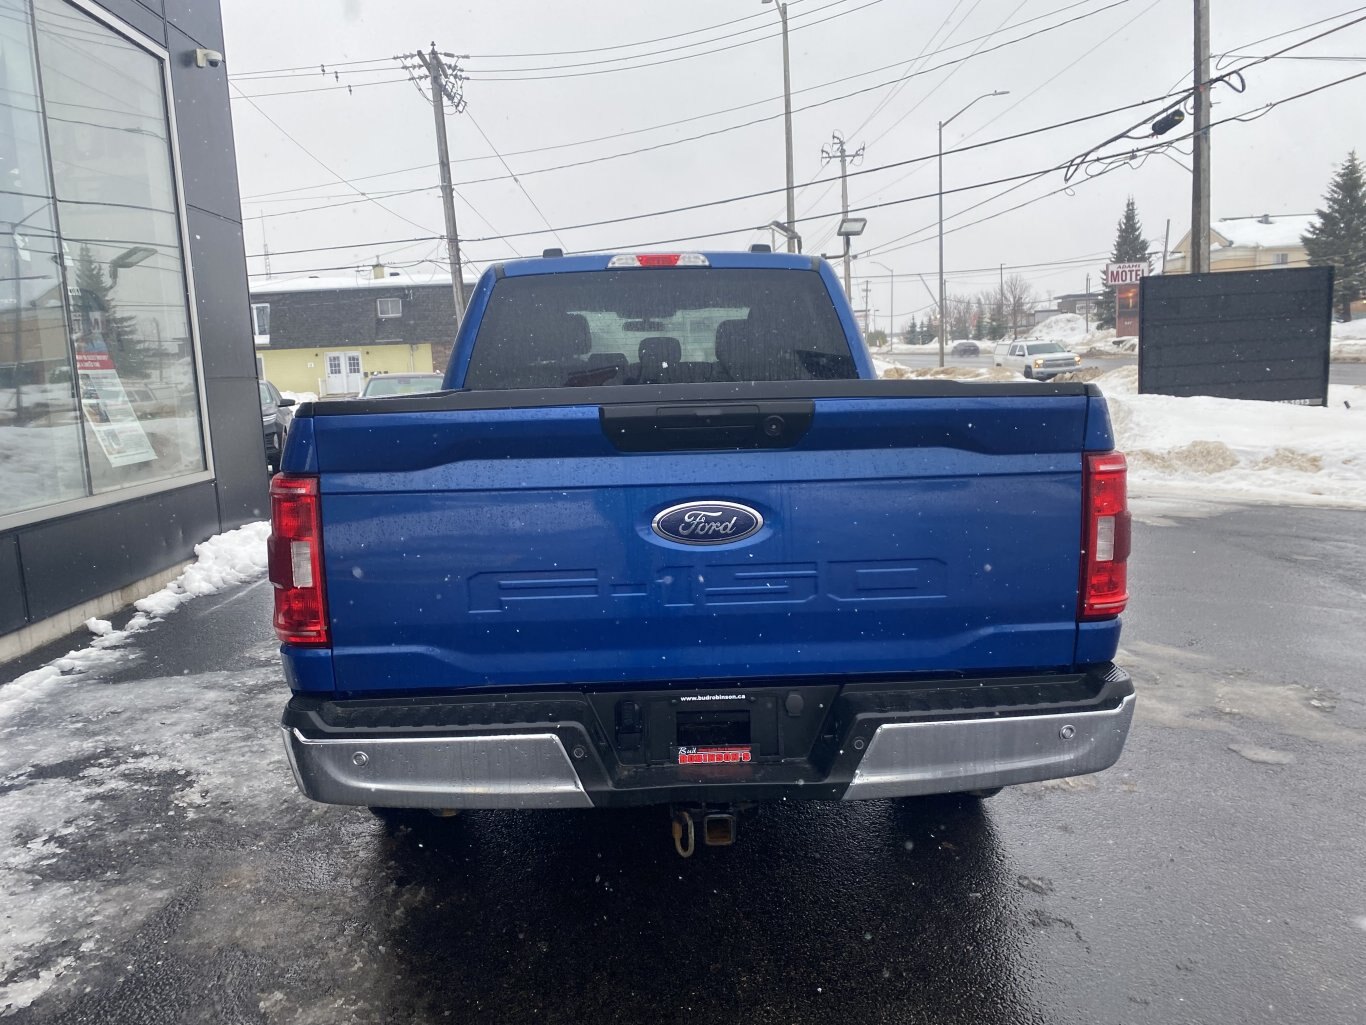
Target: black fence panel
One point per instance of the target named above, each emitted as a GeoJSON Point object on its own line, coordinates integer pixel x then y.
{"type": "Point", "coordinates": [1258, 334]}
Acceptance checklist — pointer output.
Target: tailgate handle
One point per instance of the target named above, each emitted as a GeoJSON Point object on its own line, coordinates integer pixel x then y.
{"type": "Point", "coordinates": [706, 426]}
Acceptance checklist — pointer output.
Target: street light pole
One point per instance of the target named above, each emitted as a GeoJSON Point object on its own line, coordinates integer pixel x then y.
{"type": "Point", "coordinates": [891, 301]}
{"type": "Point", "coordinates": [943, 314]}
{"type": "Point", "coordinates": [787, 127]}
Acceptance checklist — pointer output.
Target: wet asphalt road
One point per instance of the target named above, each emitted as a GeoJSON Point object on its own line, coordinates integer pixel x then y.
{"type": "Point", "coordinates": [157, 866]}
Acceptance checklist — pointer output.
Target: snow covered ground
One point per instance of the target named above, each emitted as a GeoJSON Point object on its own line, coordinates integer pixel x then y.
{"type": "Point", "coordinates": [1263, 452]}
{"type": "Point", "coordinates": [223, 561]}
{"type": "Point", "coordinates": [1349, 342]}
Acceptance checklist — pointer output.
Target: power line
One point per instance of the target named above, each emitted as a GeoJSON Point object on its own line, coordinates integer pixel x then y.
{"type": "Point", "coordinates": [323, 164]}
{"type": "Point", "coordinates": [767, 192]}
{"type": "Point", "coordinates": [890, 248]}
{"type": "Point", "coordinates": [674, 49]}
{"type": "Point", "coordinates": [318, 89]}
{"type": "Point", "coordinates": [476, 76]}
{"type": "Point", "coordinates": [311, 67]}
{"type": "Point", "coordinates": [1116, 161]}
{"type": "Point", "coordinates": [744, 106]}
{"type": "Point", "coordinates": [514, 177]}
{"type": "Point", "coordinates": [549, 53]}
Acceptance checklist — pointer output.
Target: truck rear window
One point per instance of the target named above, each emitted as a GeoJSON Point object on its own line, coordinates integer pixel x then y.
{"type": "Point", "coordinates": [665, 326]}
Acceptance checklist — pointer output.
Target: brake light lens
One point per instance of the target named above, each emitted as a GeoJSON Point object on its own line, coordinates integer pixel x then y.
{"type": "Point", "coordinates": [1106, 536]}
{"type": "Point", "coordinates": [295, 559]}
{"type": "Point", "coordinates": [659, 260]}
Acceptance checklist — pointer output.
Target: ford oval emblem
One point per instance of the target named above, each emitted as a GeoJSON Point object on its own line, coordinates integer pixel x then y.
{"type": "Point", "coordinates": [707, 523]}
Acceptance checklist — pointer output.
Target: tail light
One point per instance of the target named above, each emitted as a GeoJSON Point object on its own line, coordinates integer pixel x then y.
{"type": "Point", "coordinates": [1105, 536]}
{"type": "Point", "coordinates": [296, 561]}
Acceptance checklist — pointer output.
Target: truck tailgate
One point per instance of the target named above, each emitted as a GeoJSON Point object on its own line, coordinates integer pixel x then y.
{"type": "Point", "coordinates": [469, 547]}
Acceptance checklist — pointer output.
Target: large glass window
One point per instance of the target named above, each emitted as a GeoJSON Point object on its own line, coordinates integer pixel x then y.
{"type": "Point", "coordinates": [98, 389]}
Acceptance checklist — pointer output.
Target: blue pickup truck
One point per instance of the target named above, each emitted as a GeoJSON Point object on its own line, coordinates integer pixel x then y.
{"type": "Point", "coordinates": [665, 538]}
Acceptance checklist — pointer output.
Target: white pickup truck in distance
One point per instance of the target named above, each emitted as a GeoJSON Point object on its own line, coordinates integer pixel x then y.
{"type": "Point", "coordinates": [1037, 360]}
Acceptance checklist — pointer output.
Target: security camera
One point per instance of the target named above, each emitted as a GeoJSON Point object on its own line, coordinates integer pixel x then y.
{"type": "Point", "coordinates": [211, 58]}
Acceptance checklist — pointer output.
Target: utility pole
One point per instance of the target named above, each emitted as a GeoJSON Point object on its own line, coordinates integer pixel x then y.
{"type": "Point", "coordinates": [265, 246]}
{"type": "Point", "coordinates": [787, 131]}
{"type": "Point", "coordinates": [891, 300]}
{"type": "Point", "coordinates": [445, 86]}
{"type": "Point", "coordinates": [1166, 244]}
{"type": "Point", "coordinates": [942, 124]}
{"type": "Point", "coordinates": [1199, 245]}
{"type": "Point", "coordinates": [1001, 300]}
{"type": "Point", "coordinates": [867, 310]}
{"type": "Point", "coordinates": [837, 150]}
{"type": "Point", "coordinates": [1086, 304]}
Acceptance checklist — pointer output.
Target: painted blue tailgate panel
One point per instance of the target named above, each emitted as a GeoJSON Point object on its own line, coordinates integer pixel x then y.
{"type": "Point", "coordinates": [513, 547]}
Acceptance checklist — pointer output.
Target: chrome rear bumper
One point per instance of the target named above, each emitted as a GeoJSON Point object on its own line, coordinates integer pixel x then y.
{"type": "Point", "coordinates": [909, 759]}
{"type": "Point", "coordinates": [520, 770]}
{"type": "Point", "coordinates": [572, 749]}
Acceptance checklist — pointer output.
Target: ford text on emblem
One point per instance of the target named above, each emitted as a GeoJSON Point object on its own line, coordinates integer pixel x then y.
{"type": "Point", "coordinates": [707, 523]}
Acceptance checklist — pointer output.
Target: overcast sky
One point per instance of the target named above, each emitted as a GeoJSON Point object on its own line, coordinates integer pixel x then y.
{"type": "Point", "coordinates": [916, 62]}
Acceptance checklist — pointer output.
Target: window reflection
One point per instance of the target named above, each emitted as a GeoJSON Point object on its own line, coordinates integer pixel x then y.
{"type": "Point", "coordinates": [97, 378]}
{"type": "Point", "coordinates": [40, 436]}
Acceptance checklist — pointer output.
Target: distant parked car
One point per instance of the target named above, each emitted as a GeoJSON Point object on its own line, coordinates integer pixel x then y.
{"type": "Point", "coordinates": [384, 385]}
{"type": "Point", "coordinates": [276, 416]}
{"type": "Point", "coordinates": [965, 349]}
{"type": "Point", "coordinates": [1037, 360]}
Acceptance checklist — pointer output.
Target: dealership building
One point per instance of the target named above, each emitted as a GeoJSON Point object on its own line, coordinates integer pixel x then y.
{"type": "Point", "coordinates": [129, 410]}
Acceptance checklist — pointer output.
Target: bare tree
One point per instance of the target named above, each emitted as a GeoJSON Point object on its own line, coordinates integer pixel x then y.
{"type": "Point", "coordinates": [1018, 296]}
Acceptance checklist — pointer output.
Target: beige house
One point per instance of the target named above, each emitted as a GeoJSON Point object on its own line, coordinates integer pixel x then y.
{"type": "Point", "coordinates": [1249, 243]}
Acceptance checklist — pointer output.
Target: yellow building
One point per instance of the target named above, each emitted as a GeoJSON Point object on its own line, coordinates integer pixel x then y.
{"type": "Point", "coordinates": [329, 334]}
{"type": "Point", "coordinates": [1249, 243]}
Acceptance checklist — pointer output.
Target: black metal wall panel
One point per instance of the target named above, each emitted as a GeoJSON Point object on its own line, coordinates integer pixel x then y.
{"type": "Point", "coordinates": [13, 608]}
{"type": "Point", "coordinates": [1262, 334]}
{"type": "Point", "coordinates": [74, 559]}
{"type": "Point", "coordinates": [220, 286]}
{"type": "Point", "coordinates": [204, 127]}
{"type": "Point", "coordinates": [239, 452]}
{"type": "Point", "coordinates": [201, 20]}
{"type": "Point", "coordinates": [137, 15]}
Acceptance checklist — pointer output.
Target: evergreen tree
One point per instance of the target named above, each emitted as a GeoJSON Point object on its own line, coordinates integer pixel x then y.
{"type": "Point", "coordinates": [1130, 247]}
{"type": "Point", "coordinates": [99, 317]}
{"type": "Point", "coordinates": [1338, 238]}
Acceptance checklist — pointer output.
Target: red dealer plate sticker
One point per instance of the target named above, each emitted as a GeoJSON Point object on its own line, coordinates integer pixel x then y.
{"type": "Point", "coordinates": [713, 755]}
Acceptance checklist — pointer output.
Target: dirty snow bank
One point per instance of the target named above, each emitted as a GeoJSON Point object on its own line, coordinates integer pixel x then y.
{"type": "Point", "coordinates": [1241, 450]}
{"type": "Point", "coordinates": [1349, 341]}
{"type": "Point", "coordinates": [895, 372]}
{"type": "Point", "coordinates": [222, 561]}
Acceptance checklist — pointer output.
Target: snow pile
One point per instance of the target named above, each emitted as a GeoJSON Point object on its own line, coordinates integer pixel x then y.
{"type": "Point", "coordinates": [1243, 450]}
{"type": "Point", "coordinates": [1061, 327]}
{"type": "Point", "coordinates": [300, 397]}
{"type": "Point", "coordinates": [893, 372]}
{"type": "Point", "coordinates": [223, 561]}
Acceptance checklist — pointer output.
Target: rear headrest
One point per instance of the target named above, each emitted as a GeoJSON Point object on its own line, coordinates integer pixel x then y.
{"type": "Point", "coordinates": [660, 351]}
{"type": "Point", "coordinates": [730, 335]}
